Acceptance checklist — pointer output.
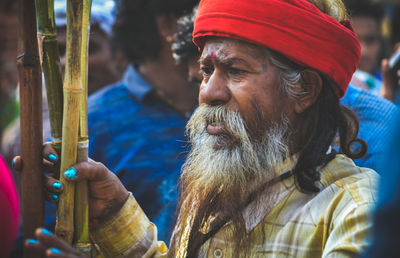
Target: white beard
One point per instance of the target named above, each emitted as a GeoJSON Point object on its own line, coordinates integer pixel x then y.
{"type": "Point", "coordinates": [223, 171]}
{"type": "Point", "coordinates": [236, 168]}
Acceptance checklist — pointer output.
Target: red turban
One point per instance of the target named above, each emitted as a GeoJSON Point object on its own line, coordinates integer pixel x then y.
{"type": "Point", "coordinates": [295, 28]}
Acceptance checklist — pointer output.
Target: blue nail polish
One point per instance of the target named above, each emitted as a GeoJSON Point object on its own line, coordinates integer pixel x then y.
{"type": "Point", "coordinates": [13, 163]}
{"type": "Point", "coordinates": [54, 197]}
{"type": "Point", "coordinates": [70, 173]}
{"type": "Point", "coordinates": [46, 232]}
{"type": "Point", "coordinates": [52, 157]}
{"type": "Point", "coordinates": [55, 250]}
{"type": "Point", "coordinates": [56, 185]}
{"type": "Point", "coordinates": [32, 241]}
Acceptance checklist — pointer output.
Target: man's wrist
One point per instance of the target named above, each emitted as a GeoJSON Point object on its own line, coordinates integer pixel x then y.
{"type": "Point", "coordinates": [113, 209]}
{"type": "Point", "coordinates": [123, 230]}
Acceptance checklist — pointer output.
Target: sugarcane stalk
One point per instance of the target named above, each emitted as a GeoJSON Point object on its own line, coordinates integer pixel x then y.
{"type": "Point", "coordinates": [82, 241]}
{"type": "Point", "coordinates": [72, 89]}
{"type": "Point", "coordinates": [30, 81]}
{"type": "Point", "coordinates": [51, 67]}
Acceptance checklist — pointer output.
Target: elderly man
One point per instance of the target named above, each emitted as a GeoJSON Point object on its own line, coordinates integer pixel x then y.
{"type": "Point", "coordinates": [261, 178]}
{"type": "Point", "coordinates": [376, 115]}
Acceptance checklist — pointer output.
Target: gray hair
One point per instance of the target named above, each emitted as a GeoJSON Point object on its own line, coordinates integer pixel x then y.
{"type": "Point", "coordinates": [290, 74]}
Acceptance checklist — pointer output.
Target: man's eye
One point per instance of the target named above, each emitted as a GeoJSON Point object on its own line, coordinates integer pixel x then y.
{"type": "Point", "coordinates": [206, 71]}
{"type": "Point", "coordinates": [235, 71]}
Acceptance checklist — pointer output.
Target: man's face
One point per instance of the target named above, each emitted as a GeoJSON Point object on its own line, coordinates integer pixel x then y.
{"type": "Point", "coordinates": [240, 130]}
{"type": "Point", "coordinates": [368, 33]}
{"type": "Point", "coordinates": [240, 77]}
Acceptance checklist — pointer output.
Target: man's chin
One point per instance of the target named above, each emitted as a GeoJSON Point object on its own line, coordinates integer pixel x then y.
{"type": "Point", "coordinates": [225, 142]}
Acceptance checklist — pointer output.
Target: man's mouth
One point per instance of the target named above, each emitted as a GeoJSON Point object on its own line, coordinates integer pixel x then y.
{"type": "Point", "coordinates": [216, 129]}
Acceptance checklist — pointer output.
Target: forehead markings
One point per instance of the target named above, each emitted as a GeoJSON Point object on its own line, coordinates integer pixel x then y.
{"type": "Point", "coordinates": [213, 55]}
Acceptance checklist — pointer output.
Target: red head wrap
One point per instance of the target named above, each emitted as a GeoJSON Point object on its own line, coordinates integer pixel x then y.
{"type": "Point", "coordinates": [295, 28]}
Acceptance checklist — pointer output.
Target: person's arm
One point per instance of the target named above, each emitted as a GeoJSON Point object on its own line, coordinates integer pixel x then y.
{"type": "Point", "coordinates": [118, 225]}
{"type": "Point", "coordinates": [129, 233]}
{"type": "Point", "coordinates": [349, 232]}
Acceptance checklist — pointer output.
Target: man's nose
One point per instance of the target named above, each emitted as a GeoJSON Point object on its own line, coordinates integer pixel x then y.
{"type": "Point", "coordinates": [214, 91]}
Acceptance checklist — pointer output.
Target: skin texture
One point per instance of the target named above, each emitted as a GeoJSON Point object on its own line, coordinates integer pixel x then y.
{"type": "Point", "coordinates": [368, 32]}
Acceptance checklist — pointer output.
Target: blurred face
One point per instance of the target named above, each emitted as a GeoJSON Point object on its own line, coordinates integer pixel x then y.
{"type": "Point", "coordinates": [101, 66]}
{"type": "Point", "coordinates": [368, 32]}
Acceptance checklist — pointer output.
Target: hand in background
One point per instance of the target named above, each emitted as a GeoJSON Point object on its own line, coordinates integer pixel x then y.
{"type": "Point", "coordinates": [388, 90]}
{"type": "Point", "coordinates": [390, 82]}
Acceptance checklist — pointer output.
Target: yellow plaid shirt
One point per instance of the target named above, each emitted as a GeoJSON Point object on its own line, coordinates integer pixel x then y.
{"type": "Point", "coordinates": [335, 222]}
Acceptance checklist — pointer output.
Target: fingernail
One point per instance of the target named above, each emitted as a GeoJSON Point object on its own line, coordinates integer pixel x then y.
{"type": "Point", "coordinates": [32, 241]}
{"type": "Point", "coordinates": [13, 163]}
{"type": "Point", "coordinates": [55, 250]}
{"type": "Point", "coordinates": [56, 185]}
{"type": "Point", "coordinates": [70, 173]}
{"type": "Point", "coordinates": [46, 232]}
{"type": "Point", "coordinates": [52, 157]}
{"type": "Point", "coordinates": [54, 197]}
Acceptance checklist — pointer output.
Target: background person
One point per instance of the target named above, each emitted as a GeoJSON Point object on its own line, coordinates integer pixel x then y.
{"type": "Point", "coordinates": [9, 207]}
{"type": "Point", "coordinates": [366, 19]}
{"type": "Point", "coordinates": [137, 125]}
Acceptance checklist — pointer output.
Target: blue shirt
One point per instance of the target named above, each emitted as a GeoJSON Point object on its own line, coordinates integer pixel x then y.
{"type": "Point", "coordinates": [141, 139]}
{"type": "Point", "coordinates": [376, 116]}
{"type": "Point", "coordinates": [386, 234]}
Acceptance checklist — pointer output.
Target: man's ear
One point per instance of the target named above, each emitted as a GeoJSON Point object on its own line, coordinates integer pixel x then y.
{"type": "Point", "coordinates": [167, 26]}
{"type": "Point", "coordinates": [311, 85]}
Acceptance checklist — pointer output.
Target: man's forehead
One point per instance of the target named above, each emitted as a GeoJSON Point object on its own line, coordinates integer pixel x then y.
{"type": "Point", "coordinates": [225, 48]}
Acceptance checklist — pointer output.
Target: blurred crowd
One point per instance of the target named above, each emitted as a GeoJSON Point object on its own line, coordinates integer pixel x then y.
{"type": "Point", "coordinates": [143, 83]}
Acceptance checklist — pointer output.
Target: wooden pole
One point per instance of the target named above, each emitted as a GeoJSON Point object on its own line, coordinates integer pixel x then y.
{"type": "Point", "coordinates": [30, 82]}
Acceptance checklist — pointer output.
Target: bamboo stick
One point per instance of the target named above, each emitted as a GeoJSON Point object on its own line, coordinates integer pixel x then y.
{"type": "Point", "coordinates": [82, 241]}
{"type": "Point", "coordinates": [50, 64]}
{"type": "Point", "coordinates": [30, 81]}
{"type": "Point", "coordinates": [81, 233]}
{"type": "Point", "coordinates": [50, 57]}
{"type": "Point", "coordinates": [72, 98]}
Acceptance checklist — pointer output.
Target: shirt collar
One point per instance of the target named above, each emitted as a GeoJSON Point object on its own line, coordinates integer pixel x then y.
{"type": "Point", "coordinates": [135, 83]}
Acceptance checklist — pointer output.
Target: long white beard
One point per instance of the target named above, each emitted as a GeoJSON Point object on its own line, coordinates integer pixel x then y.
{"type": "Point", "coordinates": [222, 171]}
{"type": "Point", "coordinates": [243, 164]}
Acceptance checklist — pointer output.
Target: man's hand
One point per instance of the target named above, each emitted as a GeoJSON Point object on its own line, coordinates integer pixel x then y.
{"type": "Point", "coordinates": [47, 244]}
{"type": "Point", "coordinates": [106, 193]}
